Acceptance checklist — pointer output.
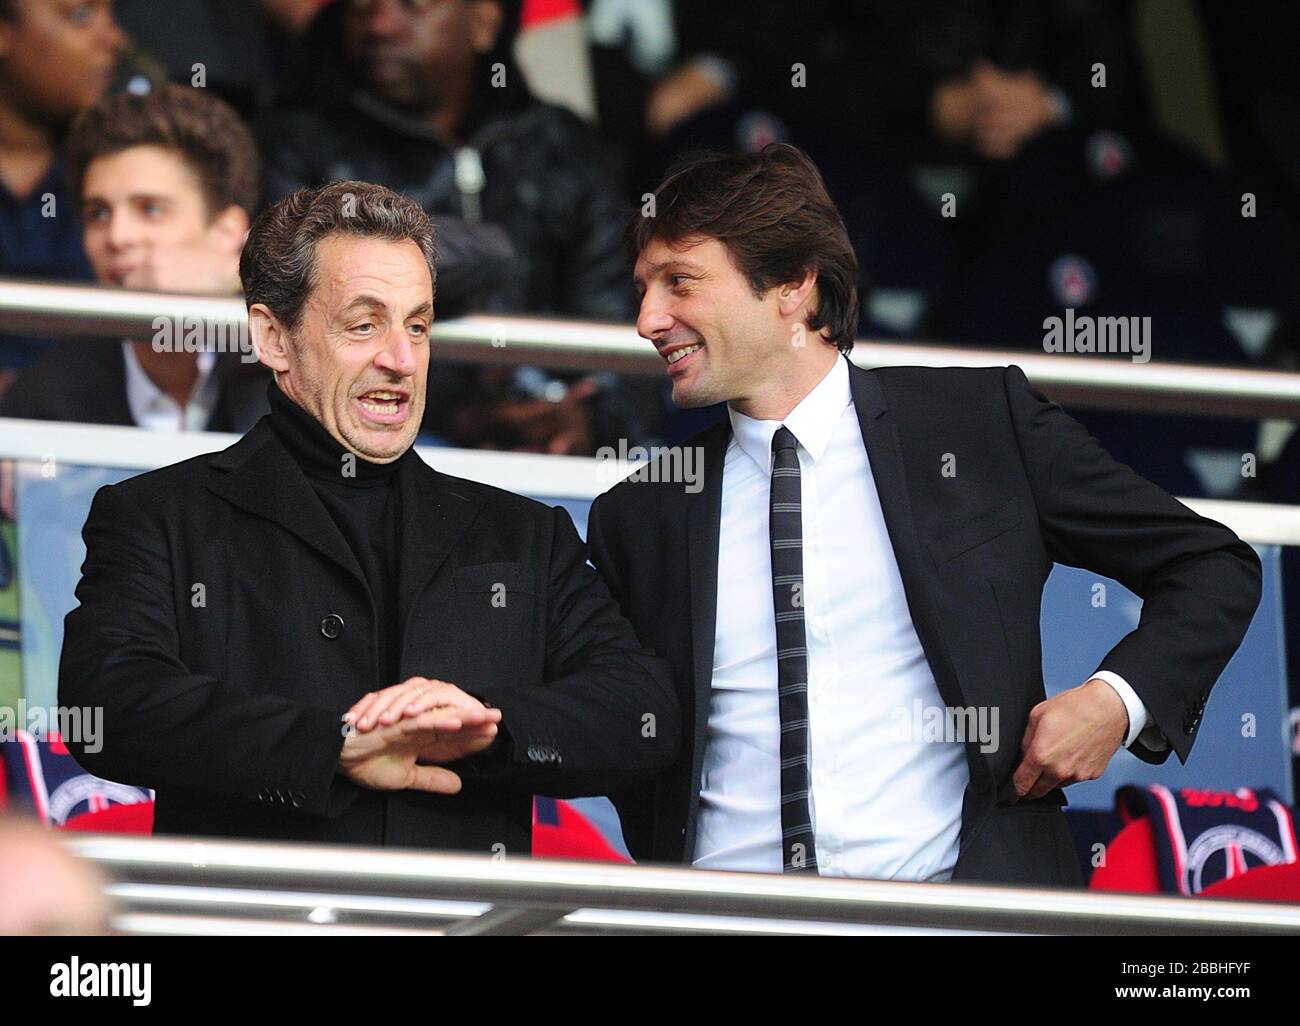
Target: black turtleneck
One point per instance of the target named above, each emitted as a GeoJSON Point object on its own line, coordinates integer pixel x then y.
{"type": "Point", "coordinates": [365, 505]}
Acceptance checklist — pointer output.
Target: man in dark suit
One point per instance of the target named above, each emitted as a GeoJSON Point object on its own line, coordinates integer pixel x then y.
{"type": "Point", "coordinates": [314, 635]}
{"type": "Point", "coordinates": [849, 593]}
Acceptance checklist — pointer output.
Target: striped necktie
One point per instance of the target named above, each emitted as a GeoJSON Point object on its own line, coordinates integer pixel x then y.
{"type": "Point", "coordinates": [785, 528]}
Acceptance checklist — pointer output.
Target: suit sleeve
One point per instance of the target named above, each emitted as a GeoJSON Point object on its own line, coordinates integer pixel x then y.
{"type": "Point", "coordinates": [164, 726]}
{"type": "Point", "coordinates": [1199, 582]}
{"type": "Point", "coordinates": [606, 717]}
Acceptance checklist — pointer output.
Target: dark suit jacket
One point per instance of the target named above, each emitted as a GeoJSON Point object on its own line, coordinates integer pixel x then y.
{"type": "Point", "coordinates": [84, 380]}
{"type": "Point", "coordinates": [1032, 487]}
{"type": "Point", "coordinates": [225, 626]}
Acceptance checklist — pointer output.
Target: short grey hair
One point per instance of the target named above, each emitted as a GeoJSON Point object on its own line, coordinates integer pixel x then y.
{"type": "Point", "coordinates": [278, 264]}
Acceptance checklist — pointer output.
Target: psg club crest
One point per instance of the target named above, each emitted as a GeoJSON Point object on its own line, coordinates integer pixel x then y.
{"type": "Point", "coordinates": [44, 776]}
{"type": "Point", "coordinates": [1108, 154]}
{"type": "Point", "coordinates": [1204, 836]}
{"type": "Point", "coordinates": [1073, 280]}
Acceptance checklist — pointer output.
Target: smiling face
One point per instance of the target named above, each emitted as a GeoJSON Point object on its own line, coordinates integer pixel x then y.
{"type": "Point", "coordinates": [359, 357]}
{"type": "Point", "coordinates": [720, 342]}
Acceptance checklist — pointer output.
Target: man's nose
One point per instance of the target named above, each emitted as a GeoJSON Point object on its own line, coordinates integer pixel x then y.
{"type": "Point", "coordinates": [121, 230]}
{"type": "Point", "coordinates": [652, 318]}
{"type": "Point", "coordinates": [397, 355]}
{"type": "Point", "coordinates": [110, 36]}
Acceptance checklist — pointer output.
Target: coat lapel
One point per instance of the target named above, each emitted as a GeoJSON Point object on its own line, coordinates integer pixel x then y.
{"type": "Point", "coordinates": [265, 480]}
{"type": "Point", "coordinates": [703, 521]}
{"type": "Point", "coordinates": [436, 512]}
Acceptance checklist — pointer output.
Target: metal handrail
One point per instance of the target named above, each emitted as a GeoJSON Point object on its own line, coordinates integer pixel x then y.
{"type": "Point", "coordinates": [86, 310]}
{"type": "Point", "coordinates": [540, 886]}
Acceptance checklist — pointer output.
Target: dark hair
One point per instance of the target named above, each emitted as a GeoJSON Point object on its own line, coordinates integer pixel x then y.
{"type": "Point", "coordinates": [772, 212]}
{"type": "Point", "coordinates": [278, 264]}
{"type": "Point", "coordinates": [203, 130]}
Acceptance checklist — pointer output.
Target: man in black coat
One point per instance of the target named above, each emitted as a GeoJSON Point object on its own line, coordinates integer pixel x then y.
{"type": "Point", "coordinates": [313, 635]}
{"type": "Point", "coordinates": [846, 573]}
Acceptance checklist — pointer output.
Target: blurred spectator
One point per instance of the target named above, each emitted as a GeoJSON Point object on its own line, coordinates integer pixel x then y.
{"type": "Point", "coordinates": [424, 97]}
{"type": "Point", "coordinates": [1254, 63]}
{"type": "Point", "coordinates": [45, 890]}
{"type": "Point", "coordinates": [235, 45]}
{"type": "Point", "coordinates": [57, 58]}
{"type": "Point", "coordinates": [798, 59]}
{"type": "Point", "coordinates": [985, 77]}
{"type": "Point", "coordinates": [167, 181]}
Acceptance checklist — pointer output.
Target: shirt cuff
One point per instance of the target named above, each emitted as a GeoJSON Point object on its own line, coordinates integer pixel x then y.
{"type": "Point", "coordinates": [1138, 718]}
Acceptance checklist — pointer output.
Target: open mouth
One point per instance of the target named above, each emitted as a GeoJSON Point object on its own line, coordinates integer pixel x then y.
{"type": "Point", "coordinates": [382, 406]}
{"type": "Point", "coordinates": [678, 358]}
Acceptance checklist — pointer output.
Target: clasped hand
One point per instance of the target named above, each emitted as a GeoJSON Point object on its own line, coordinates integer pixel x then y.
{"type": "Point", "coordinates": [402, 737]}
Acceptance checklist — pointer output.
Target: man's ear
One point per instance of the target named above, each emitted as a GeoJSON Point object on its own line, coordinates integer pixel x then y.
{"type": "Point", "coordinates": [229, 229]}
{"type": "Point", "coordinates": [486, 17]}
{"type": "Point", "coordinates": [269, 336]}
{"type": "Point", "coordinates": [793, 294]}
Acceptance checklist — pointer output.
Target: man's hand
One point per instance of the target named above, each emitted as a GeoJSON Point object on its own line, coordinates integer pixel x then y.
{"type": "Point", "coordinates": [1012, 107]}
{"type": "Point", "coordinates": [388, 758]}
{"type": "Point", "coordinates": [465, 726]}
{"type": "Point", "coordinates": [1070, 737]}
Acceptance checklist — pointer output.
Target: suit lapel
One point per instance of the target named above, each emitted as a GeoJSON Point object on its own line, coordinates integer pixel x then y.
{"type": "Point", "coordinates": [109, 398]}
{"type": "Point", "coordinates": [703, 522]}
{"type": "Point", "coordinates": [885, 454]}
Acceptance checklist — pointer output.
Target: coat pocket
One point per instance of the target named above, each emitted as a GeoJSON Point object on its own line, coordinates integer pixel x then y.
{"type": "Point", "coordinates": [981, 528]}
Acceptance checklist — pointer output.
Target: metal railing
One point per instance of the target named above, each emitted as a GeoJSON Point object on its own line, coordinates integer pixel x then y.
{"type": "Point", "coordinates": [173, 884]}
{"type": "Point", "coordinates": [87, 310]}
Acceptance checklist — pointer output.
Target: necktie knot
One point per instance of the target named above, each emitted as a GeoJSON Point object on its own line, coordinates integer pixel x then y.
{"type": "Point", "coordinates": [784, 439]}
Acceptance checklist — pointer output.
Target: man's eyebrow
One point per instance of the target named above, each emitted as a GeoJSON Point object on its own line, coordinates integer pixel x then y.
{"type": "Point", "coordinates": [423, 310]}
{"type": "Point", "coordinates": [135, 197]}
{"type": "Point", "coordinates": [366, 302]}
{"type": "Point", "coordinates": [659, 268]}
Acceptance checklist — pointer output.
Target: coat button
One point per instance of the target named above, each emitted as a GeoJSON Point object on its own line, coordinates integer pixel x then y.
{"type": "Point", "coordinates": [332, 626]}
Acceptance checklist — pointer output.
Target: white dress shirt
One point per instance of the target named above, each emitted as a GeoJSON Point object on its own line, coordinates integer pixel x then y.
{"type": "Point", "coordinates": [154, 409]}
{"type": "Point", "coordinates": [885, 805]}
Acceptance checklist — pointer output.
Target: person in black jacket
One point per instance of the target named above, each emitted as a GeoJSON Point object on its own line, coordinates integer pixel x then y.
{"type": "Point", "coordinates": [252, 623]}
{"type": "Point", "coordinates": [427, 101]}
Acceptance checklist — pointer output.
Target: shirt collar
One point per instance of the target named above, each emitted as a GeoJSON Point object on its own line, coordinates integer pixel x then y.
{"type": "Point", "coordinates": [812, 421]}
{"type": "Point", "coordinates": [144, 397]}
